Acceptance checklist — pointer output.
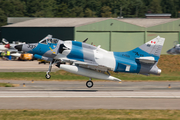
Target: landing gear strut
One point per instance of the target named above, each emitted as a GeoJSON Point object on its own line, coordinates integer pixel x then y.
{"type": "Point", "coordinates": [89, 83]}
{"type": "Point", "coordinates": [48, 76]}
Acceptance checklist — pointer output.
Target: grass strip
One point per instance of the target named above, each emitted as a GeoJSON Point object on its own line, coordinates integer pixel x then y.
{"type": "Point", "coordinates": [97, 114]}
{"type": "Point", "coordinates": [63, 75]}
{"type": "Point", "coordinates": [6, 85]}
{"type": "Point", "coordinates": [169, 64]}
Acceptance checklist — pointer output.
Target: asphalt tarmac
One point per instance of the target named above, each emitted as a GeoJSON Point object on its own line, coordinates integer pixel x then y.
{"type": "Point", "coordinates": [75, 94]}
{"type": "Point", "coordinates": [103, 95]}
{"type": "Point", "coordinates": [24, 66]}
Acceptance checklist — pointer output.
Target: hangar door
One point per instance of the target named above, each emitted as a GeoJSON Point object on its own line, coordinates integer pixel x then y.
{"type": "Point", "coordinates": [170, 37]}
{"type": "Point", "coordinates": [97, 38]}
{"type": "Point", "coordinates": [125, 41]}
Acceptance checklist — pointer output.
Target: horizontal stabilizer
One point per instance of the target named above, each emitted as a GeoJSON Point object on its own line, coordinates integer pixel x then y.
{"type": "Point", "coordinates": [146, 59]}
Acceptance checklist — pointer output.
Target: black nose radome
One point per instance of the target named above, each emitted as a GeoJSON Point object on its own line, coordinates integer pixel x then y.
{"type": "Point", "coordinates": [169, 51]}
{"type": "Point", "coordinates": [18, 47]}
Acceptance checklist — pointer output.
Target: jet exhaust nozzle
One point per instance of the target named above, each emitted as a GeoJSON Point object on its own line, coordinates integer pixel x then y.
{"type": "Point", "coordinates": [159, 71]}
{"type": "Point", "coordinates": [156, 71]}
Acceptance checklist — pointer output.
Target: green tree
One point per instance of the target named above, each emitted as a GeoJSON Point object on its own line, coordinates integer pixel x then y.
{"type": "Point", "coordinates": [75, 3]}
{"type": "Point", "coordinates": [40, 8]}
{"type": "Point", "coordinates": [94, 5]}
{"type": "Point", "coordinates": [123, 4]}
{"type": "Point", "coordinates": [171, 6]}
{"type": "Point", "coordinates": [106, 11]}
{"type": "Point", "coordinates": [138, 5]}
{"type": "Point", "coordinates": [2, 18]}
{"type": "Point", "coordinates": [155, 6]}
{"type": "Point", "coordinates": [147, 2]}
{"type": "Point", "coordinates": [86, 8]}
{"type": "Point", "coordinates": [12, 8]}
{"type": "Point", "coordinates": [77, 12]}
{"type": "Point", "coordinates": [62, 10]}
{"type": "Point", "coordinates": [89, 13]}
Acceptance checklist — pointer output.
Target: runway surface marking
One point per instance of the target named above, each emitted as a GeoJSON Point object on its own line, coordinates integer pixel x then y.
{"type": "Point", "coordinates": [25, 94]}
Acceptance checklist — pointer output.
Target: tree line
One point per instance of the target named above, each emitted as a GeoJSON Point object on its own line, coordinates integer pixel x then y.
{"type": "Point", "coordinates": [86, 8]}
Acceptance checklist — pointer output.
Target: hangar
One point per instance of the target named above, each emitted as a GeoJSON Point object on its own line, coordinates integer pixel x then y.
{"type": "Point", "coordinates": [111, 33]}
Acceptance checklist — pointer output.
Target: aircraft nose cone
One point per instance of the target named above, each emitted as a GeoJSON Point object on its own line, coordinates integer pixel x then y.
{"type": "Point", "coordinates": [18, 47]}
{"type": "Point", "coordinates": [7, 46]}
{"type": "Point", "coordinates": [169, 51]}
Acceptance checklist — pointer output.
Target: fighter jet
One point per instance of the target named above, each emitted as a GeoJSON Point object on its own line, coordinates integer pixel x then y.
{"type": "Point", "coordinates": [175, 49]}
{"type": "Point", "coordinates": [6, 46]}
{"type": "Point", "coordinates": [94, 62]}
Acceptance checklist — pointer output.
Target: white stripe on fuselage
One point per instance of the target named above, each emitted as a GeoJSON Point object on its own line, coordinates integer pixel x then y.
{"type": "Point", "coordinates": [101, 56]}
{"type": "Point", "coordinates": [105, 58]}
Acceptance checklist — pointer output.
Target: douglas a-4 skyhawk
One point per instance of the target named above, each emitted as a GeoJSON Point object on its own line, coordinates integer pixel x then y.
{"type": "Point", "coordinates": [94, 62]}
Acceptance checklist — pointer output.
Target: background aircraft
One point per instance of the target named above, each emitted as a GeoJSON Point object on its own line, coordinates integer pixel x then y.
{"type": "Point", "coordinates": [175, 49]}
{"type": "Point", "coordinates": [95, 62]}
{"type": "Point", "coordinates": [17, 55]}
{"type": "Point", "coordinates": [6, 46]}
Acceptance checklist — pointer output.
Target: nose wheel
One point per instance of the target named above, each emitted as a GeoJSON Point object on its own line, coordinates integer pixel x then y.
{"type": "Point", "coordinates": [89, 84]}
{"type": "Point", "coordinates": [48, 76]}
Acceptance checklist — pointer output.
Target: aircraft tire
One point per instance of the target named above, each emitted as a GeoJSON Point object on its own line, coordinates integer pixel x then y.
{"type": "Point", "coordinates": [48, 76]}
{"type": "Point", "coordinates": [89, 84]}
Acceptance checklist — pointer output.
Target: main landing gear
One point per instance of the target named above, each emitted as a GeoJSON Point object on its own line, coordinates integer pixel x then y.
{"type": "Point", "coordinates": [89, 83]}
{"type": "Point", "coordinates": [48, 76]}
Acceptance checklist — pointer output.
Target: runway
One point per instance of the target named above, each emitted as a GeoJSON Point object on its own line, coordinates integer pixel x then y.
{"type": "Point", "coordinates": [103, 95]}
{"type": "Point", "coordinates": [88, 103]}
{"type": "Point", "coordinates": [86, 94]}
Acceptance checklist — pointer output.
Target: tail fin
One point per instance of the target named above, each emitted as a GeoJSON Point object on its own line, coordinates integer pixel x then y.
{"type": "Point", "coordinates": [154, 46]}
{"type": "Point", "coordinates": [149, 62]}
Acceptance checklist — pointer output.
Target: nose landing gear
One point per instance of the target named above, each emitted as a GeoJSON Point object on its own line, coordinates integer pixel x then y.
{"type": "Point", "coordinates": [48, 76]}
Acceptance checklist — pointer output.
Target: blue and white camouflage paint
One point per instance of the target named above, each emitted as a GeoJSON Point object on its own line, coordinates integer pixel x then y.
{"type": "Point", "coordinates": [92, 61]}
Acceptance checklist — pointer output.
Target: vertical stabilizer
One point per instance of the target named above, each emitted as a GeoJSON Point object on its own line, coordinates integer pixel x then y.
{"type": "Point", "coordinates": [154, 46]}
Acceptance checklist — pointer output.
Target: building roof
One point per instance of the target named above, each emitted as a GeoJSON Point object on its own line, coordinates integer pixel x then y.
{"type": "Point", "coordinates": [150, 14]}
{"type": "Point", "coordinates": [75, 22]}
{"type": "Point", "coordinates": [144, 22]}
{"type": "Point", "coordinates": [56, 22]}
{"type": "Point", "coordinates": [12, 20]}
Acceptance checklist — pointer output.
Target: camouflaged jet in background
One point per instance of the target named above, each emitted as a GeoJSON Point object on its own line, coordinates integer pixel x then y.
{"type": "Point", "coordinates": [95, 62]}
{"type": "Point", "coordinates": [175, 50]}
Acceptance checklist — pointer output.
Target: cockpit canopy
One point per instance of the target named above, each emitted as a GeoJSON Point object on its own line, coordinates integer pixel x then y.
{"type": "Point", "coordinates": [49, 40]}
{"type": "Point", "coordinates": [4, 41]}
{"type": "Point", "coordinates": [178, 45]}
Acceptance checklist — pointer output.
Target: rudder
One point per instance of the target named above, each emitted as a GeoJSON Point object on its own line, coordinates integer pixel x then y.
{"type": "Point", "coordinates": [153, 46]}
